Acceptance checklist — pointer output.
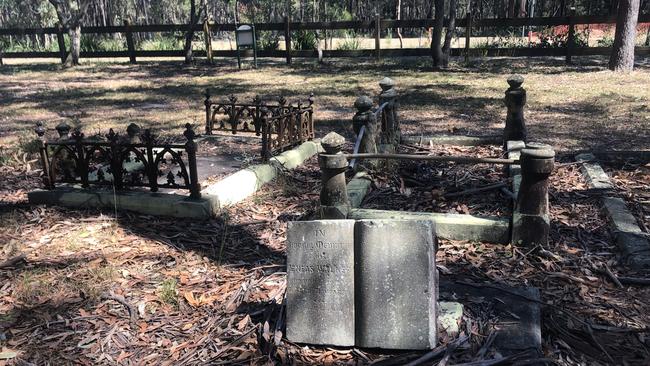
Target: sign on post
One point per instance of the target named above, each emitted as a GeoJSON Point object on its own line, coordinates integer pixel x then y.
{"type": "Point", "coordinates": [245, 39]}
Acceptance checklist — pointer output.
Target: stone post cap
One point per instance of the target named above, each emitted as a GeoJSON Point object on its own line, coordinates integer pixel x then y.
{"type": "Point", "coordinates": [363, 103]}
{"type": "Point", "coordinates": [386, 83]}
{"type": "Point", "coordinates": [332, 142]}
{"type": "Point", "coordinates": [533, 153]}
{"type": "Point", "coordinates": [63, 129]}
{"type": "Point", "coordinates": [39, 129]}
{"type": "Point", "coordinates": [538, 146]}
{"type": "Point", "coordinates": [515, 81]}
{"type": "Point", "coordinates": [132, 130]}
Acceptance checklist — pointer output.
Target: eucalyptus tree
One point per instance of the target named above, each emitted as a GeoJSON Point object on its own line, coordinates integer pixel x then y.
{"type": "Point", "coordinates": [70, 14]}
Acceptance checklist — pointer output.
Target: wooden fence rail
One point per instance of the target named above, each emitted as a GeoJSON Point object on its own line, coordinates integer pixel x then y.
{"type": "Point", "coordinates": [287, 26]}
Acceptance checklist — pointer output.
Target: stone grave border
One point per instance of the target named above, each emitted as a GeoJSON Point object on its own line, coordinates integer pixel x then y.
{"type": "Point", "coordinates": [628, 236]}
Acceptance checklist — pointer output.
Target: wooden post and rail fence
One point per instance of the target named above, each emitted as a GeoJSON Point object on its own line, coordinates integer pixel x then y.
{"type": "Point", "coordinates": [374, 27]}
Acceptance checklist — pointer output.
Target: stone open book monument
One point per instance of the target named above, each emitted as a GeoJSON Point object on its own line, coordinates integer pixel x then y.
{"type": "Point", "coordinates": [366, 283]}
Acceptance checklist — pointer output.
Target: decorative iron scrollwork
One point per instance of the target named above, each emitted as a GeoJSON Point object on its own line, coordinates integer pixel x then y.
{"type": "Point", "coordinates": [281, 125]}
{"type": "Point", "coordinates": [119, 162]}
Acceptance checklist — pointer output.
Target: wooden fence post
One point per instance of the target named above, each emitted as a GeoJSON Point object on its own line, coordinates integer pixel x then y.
{"type": "Point", "coordinates": [571, 37]}
{"type": "Point", "coordinates": [287, 38]}
{"type": "Point", "coordinates": [129, 41]}
{"type": "Point", "coordinates": [61, 41]}
{"type": "Point", "coordinates": [468, 35]}
{"type": "Point", "coordinates": [378, 36]}
{"type": "Point", "coordinates": [208, 40]}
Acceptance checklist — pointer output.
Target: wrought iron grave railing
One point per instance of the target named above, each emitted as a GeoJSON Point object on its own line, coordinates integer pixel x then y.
{"type": "Point", "coordinates": [281, 125]}
{"type": "Point", "coordinates": [119, 161]}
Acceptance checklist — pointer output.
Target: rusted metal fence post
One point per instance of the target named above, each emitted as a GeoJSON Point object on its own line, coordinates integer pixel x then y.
{"type": "Point", "coordinates": [311, 134]}
{"type": "Point", "coordinates": [515, 100]}
{"type": "Point", "coordinates": [266, 134]}
{"type": "Point", "coordinates": [80, 157]}
{"type": "Point", "coordinates": [389, 121]}
{"type": "Point", "coordinates": [45, 160]}
{"type": "Point", "coordinates": [152, 169]}
{"type": "Point", "coordinates": [530, 220]}
{"type": "Point", "coordinates": [378, 36]}
{"type": "Point", "coordinates": [208, 112]}
{"type": "Point", "coordinates": [129, 42]}
{"type": "Point", "coordinates": [334, 201]}
{"type": "Point", "coordinates": [287, 38]}
{"type": "Point", "coordinates": [116, 159]}
{"type": "Point", "coordinates": [61, 42]}
{"type": "Point", "coordinates": [190, 148]}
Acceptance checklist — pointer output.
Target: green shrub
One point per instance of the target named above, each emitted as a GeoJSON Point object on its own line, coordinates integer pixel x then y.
{"type": "Point", "coordinates": [304, 40]}
{"type": "Point", "coordinates": [606, 41]}
{"type": "Point", "coordinates": [349, 44]}
{"type": "Point", "coordinates": [269, 40]}
{"type": "Point", "coordinates": [162, 43]}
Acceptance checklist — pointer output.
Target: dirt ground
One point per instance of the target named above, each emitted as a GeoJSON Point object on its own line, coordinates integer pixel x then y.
{"type": "Point", "coordinates": [98, 287]}
{"type": "Point", "coordinates": [568, 106]}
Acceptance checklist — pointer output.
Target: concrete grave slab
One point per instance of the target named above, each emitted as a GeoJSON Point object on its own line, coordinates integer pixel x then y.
{"type": "Point", "coordinates": [320, 282]}
{"type": "Point", "coordinates": [242, 184]}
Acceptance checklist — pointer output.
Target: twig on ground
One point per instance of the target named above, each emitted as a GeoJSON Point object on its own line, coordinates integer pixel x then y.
{"type": "Point", "coordinates": [438, 351]}
{"type": "Point", "coordinates": [133, 315]}
{"type": "Point", "coordinates": [476, 190]}
{"type": "Point", "coordinates": [634, 281]}
{"type": "Point", "coordinates": [12, 262]}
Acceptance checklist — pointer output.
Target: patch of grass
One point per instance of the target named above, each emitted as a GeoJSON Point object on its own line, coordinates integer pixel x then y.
{"type": "Point", "coordinates": [349, 44]}
{"type": "Point", "coordinates": [33, 286]}
{"type": "Point", "coordinates": [168, 293]}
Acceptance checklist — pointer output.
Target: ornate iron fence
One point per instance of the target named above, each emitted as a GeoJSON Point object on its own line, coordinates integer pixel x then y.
{"type": "Point", "coordinates": [280, 125]}
{"type": "Point", "coordinates": [119, 161]}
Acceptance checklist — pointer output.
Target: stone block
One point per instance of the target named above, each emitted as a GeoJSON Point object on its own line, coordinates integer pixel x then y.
{"type": "Point", "coordinates": [630, 239]}
{"type": "Point", "coordinates": [395, 284]}
{"type": "Point", "coordinates": [453, 140]}
{"type": "Point", "coordinates": [594, 173]}
{"type": "Point", "coordinates": [358, 188]}
{"type": "Point", "coordinates": [320, 282]}
{"type": "Point", "coordinates": [449, 226]}
{"type": "Point", "coordinates": [160, 204]}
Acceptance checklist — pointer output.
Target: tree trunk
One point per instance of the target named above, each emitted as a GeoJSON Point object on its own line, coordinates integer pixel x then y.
{"type": "Point", "coordinates": [449, 35]}
{"type": "Point", "coordinates": [190, 33]}
{"type": "Point", "coordinates": [75, 45]}
{"type": "Point", "coordinates": [622, 57]}
{"type": "Point", "coordinates": [647, 37]}
{"type": "Point", "coordinates": [398, 16]}
{"type": "Point", "coordinates": [511, 8]}
{"type": "Point", "coordinates": [436, 35]}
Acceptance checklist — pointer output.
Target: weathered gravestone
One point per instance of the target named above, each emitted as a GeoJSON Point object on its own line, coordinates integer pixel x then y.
{"type": "Point", "coordinates": [395, 284]}
{"type": "Point", "coordinates": [320, 282]}
{"type": "Point", "coordinates": [372, 283]}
